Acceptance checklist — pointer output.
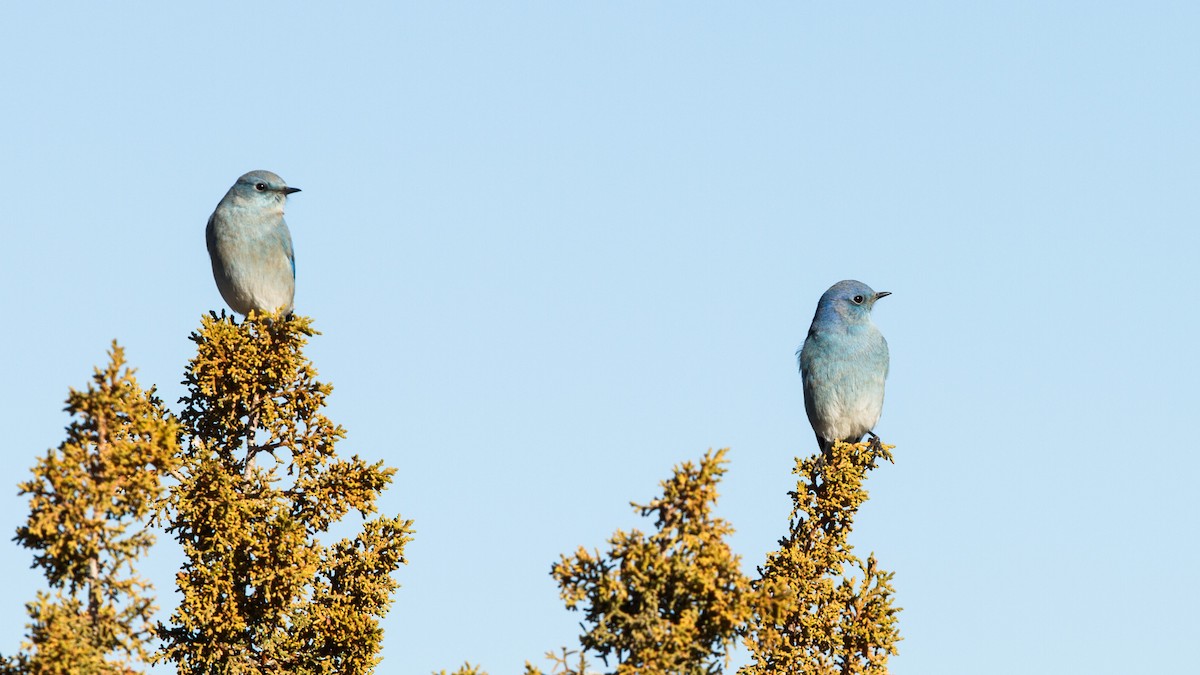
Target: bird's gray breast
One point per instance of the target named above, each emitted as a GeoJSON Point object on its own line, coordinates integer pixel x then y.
{"type": "Point", "coordinates": [251, 259]}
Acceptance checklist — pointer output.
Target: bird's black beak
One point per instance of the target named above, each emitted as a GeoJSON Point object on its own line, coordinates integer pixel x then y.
{"type": "Point", "coordinates": [882, 294]}
{"type": "Point", "coordinates": [290, 190]}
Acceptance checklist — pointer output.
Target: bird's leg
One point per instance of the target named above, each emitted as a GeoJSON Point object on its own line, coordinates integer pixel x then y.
{"type": "Point", "coordinates": [824, 447]}
{"type": "Point", "coordinates": [875, 444]}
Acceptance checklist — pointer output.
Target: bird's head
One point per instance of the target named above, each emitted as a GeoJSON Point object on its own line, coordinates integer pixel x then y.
{"type": "Point", "coordinates": [848, 302]}
{"type": "Point", "coordinates": [263, 187]}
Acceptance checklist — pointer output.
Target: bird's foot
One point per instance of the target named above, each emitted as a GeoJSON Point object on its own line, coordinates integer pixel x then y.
{"type": "Point", "coordinates": [874, 444]}
{"type": "Point", "coordinates": [877, 450]}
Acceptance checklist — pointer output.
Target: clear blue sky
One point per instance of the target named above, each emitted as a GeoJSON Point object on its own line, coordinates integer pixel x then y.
{"type": "Point", "coordinates": [557, 248]}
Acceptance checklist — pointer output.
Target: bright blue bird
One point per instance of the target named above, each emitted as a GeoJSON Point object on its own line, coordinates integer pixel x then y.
{"type": "Point", "coordinates": [844, 362]}
{"type": "Point", "coordinates": [250, 246]}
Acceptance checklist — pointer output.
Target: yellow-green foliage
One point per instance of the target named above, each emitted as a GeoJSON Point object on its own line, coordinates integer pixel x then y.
{"type": "Point", "coordinates": [256, 483]}
{"type": "Point", "coordinates": [260, 592]}
{"type": "Point", "coordinates": [812, 615]}
{"type": "Point", "coordinates": [564, 662]}
{"type": "Point", "coordinates": [672, 601]}
{"type": "Point", "coordinates": [89, 502]}
{"type": "Point", "coordinates": [467, 669]}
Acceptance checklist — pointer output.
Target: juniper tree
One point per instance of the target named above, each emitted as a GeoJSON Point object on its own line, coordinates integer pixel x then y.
{"type": "Point", "coordinates": [260, 483]}
{"type": "Point", "coordinates": [563, 662]}
{"type": "Point", "coordinates": [90, 500]}
{"type": "Point", "coordinates": [672, 601]}
{"type": "Point", "coordinates": [466, 669]}
{"type": "Point", "coordinates": [811, 614]}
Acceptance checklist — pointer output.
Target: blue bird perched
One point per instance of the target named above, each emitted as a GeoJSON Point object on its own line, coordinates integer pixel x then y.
{"type": "Point", "coordinates": [250, 246]}
{"type": "Point", "coordinates": [844, 362]}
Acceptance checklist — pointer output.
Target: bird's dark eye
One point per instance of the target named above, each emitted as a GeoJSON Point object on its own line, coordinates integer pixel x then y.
{"type": "Point", "coordinates": [858, 299]}
{"type": "Point", "coordinates": [260, 186]}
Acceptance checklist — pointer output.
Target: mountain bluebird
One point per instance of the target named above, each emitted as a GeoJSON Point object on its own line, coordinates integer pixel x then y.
{"type": "Point", "coordinates": [250, 246]}
{"type": "Point", "coordinates": [843, 363]}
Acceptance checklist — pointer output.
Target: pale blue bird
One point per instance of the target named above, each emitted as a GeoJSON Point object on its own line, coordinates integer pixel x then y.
{"type": "Point", "coordinates": [844, 362]}
{"type": "Point", "coordinates": [250, 246]}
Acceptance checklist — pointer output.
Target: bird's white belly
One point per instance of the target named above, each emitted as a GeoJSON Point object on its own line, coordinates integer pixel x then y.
{"type": "Point", "coordinates": [847, 415]}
